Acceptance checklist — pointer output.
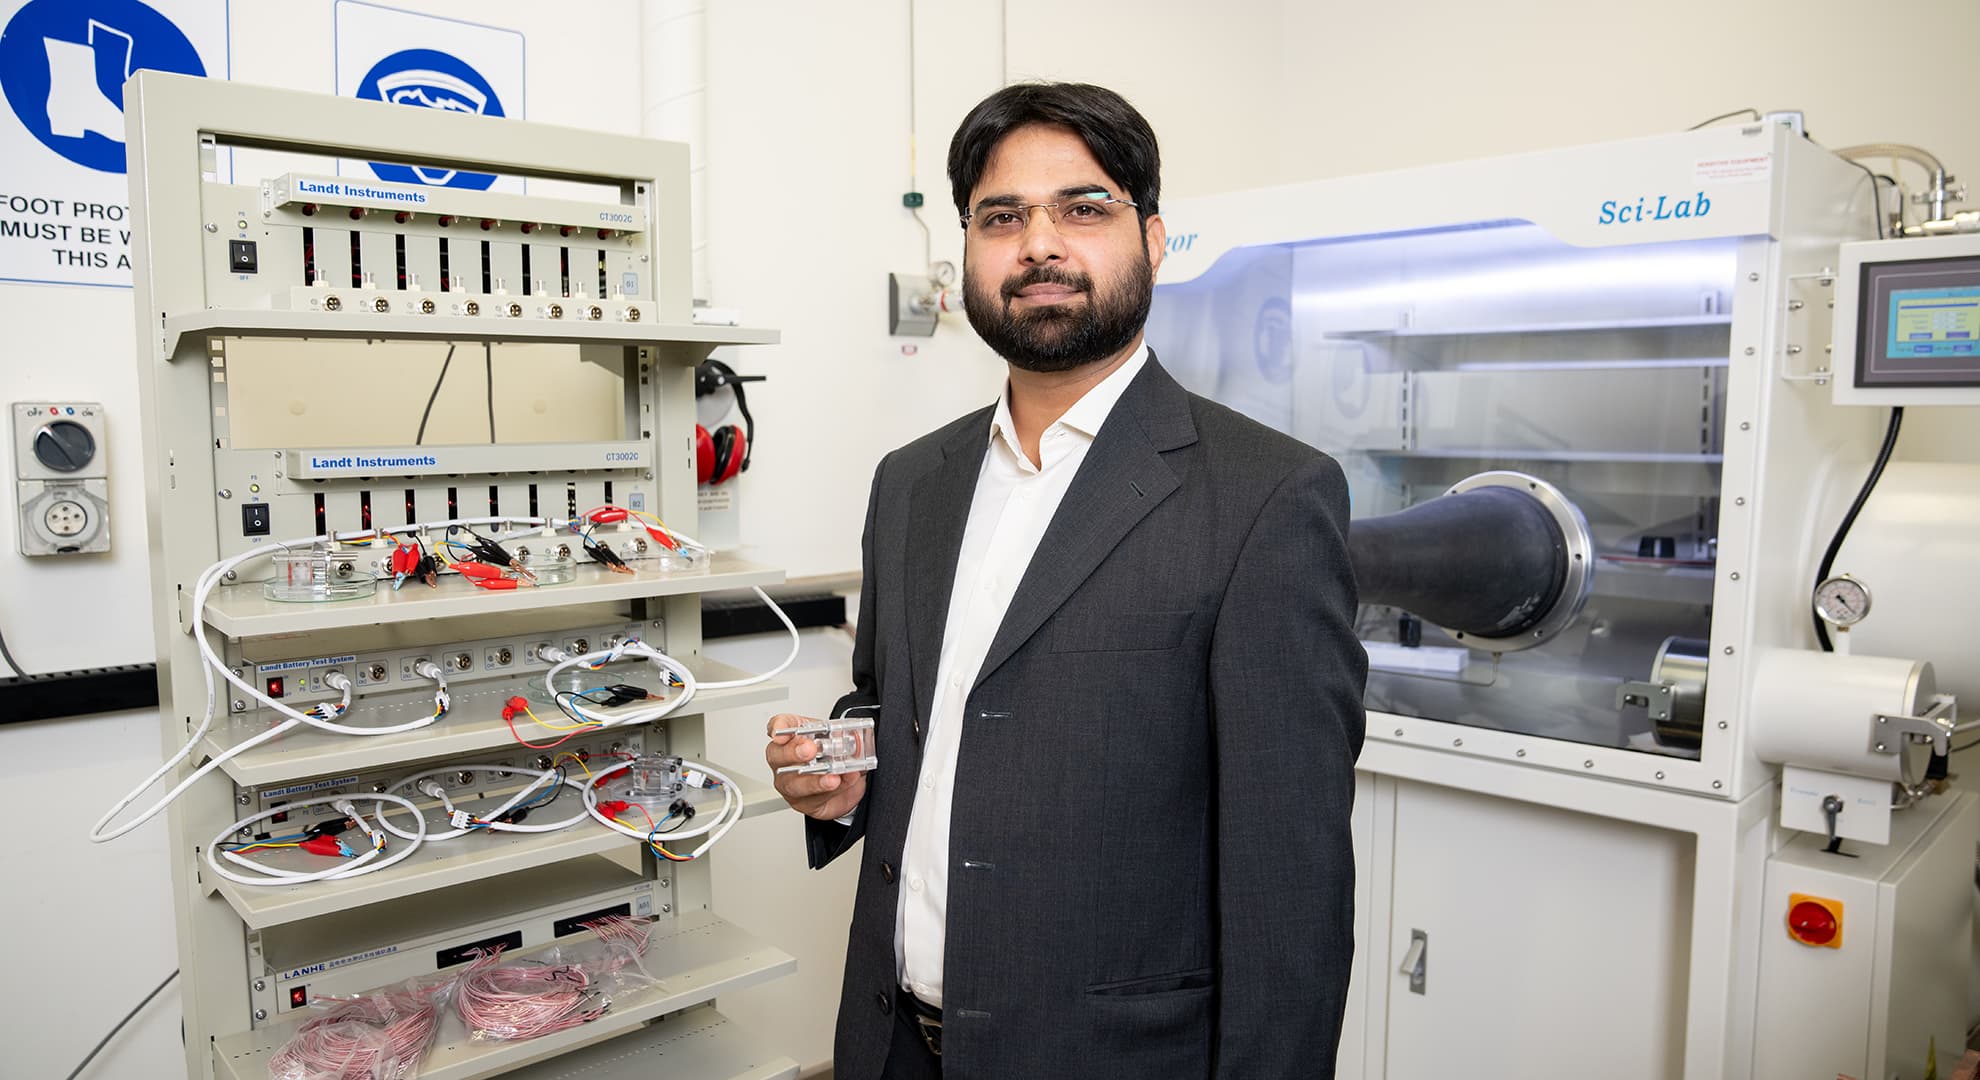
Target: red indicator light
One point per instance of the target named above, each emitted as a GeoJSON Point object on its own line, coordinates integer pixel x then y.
{"type": "Point", "coordinates": [275, 687]}
{"type": "Point", "coordinates": [487, 223]}
{"type": "Point", "coordinates": [309, 209]}
{"type": "Point", "coordinates": [446, 220]}
{"type": "Point", "coordinates": [357, 212]}
{"type": "Point", "coordinates": [402, 217]}
{"type": "Point", "coordinates": [299, 997]}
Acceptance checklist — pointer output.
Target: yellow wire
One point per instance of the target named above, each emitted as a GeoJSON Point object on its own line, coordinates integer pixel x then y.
{"type": "Point", "coordinates": [531, 713]}
{"type": "Point", "coordinates": [573, 757]}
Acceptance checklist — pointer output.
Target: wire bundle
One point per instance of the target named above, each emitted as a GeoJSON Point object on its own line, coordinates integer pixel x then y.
{"type": "Point", "coordinates": [379, 1037]}
{"type": "Point", "coordinates": [525, 1001]}
{"type": "Point", "coordinates": [625, 940]}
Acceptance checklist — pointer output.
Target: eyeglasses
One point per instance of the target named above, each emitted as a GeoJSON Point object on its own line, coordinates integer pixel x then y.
{"type": "Point", "coordinates": [1093, 210]}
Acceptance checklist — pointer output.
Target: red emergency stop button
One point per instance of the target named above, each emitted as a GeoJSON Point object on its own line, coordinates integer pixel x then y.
{"type": "Point", "coordinates": [1813, 920]}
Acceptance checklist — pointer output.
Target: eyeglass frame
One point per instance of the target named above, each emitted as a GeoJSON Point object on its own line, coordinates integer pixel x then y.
{"type": "Point", "coordinates": [1051, 209]}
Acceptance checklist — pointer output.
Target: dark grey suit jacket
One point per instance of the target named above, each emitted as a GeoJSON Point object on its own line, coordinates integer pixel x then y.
{"type": "Point", "coordinates": [1151, 871]}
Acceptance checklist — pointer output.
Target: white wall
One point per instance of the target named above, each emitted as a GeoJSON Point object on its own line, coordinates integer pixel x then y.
{"type": "Point", "coordinates": [808, 155]}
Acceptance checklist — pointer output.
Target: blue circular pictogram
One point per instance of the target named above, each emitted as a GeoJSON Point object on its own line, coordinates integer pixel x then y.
{"type": "Point", "coordinates": [63, 64]}
{"type": "Point", "coordinates": [430, 79]}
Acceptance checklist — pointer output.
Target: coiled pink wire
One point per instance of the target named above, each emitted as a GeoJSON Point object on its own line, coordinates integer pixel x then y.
{"type": "Point", "coordinates": [524, 1001]}
{"type": "Point", "coordinates": [381, 1037]}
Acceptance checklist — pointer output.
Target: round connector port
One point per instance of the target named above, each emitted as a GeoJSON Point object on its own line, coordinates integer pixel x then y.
{"type": "Point", "coordinates": [594, 313]}
{"type": "Point", "coordinates": [332, 303]}
{"type": "Point", "coordinates": [555, 311]}
{"type": "Point", "coordinates": [580, 646]}
{"type": "Point", "coordinates": [563, 551]}
{"type": "Point", "coordinates": [381, 305]}
{"type": "Point", "coordinates": [504, 656]}
{"type": "Point", "coordinates": [463, 661]}
{"type": "Point", "coordinates": [632, 314]}
{"type": "Point", "coordinates": [472, 307]}
{"type": "Point", "coordinates": [639, 545]}
{"type": "Point", "coordinates": [543, 761]}
{"type": "Point", "coordinates": [375, 673]}
{"type": "Point", "coordinates": [515, 311]}
{"type": "Point", "coordinates": [464, 777]}
{"type": "Point", "coordinates": [426, 307]}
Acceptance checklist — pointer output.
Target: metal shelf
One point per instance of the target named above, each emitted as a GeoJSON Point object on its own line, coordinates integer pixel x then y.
{"type": "Point", "coordinates": [700, 1042]}
{"type": "Point", "coordinates": [1653, 323]}
{"type": "Point", "coordinates": [275, 322]}
{"type": "Point", "coordinates": [1510, 453]}
{"type": "Point", "coordinates": [348, 933]}
{"type": "Point", "coordinates": [242, 611]}
{"type": "Point", "coordinates": [692, 961]}
{"type": "Point", "coordinates": [441, 863]}
{"type": "Point", "coordinates": [474, 724]}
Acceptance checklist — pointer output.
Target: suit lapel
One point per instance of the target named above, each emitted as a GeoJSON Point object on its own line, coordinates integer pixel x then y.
{"type": "Point", "coordinates": [1122, 479]}
{"type": "Point", "coordinates": [938, 511]}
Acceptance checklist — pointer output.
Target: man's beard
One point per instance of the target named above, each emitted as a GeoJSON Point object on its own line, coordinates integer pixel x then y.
{"type": "Point", "coordinates": [1064, 336]}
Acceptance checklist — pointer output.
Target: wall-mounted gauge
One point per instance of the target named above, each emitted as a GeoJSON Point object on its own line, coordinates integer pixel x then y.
{"type": "Point", "coordinates": [1842, 601]}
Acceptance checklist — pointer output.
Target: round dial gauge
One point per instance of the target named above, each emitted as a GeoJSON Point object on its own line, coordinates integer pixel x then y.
{"type": "Point", "coordinates": [1842, 601]}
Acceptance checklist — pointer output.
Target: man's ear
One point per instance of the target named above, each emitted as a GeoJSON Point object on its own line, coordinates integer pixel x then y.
{"type": "Point", "coordinates": [1158, 242]}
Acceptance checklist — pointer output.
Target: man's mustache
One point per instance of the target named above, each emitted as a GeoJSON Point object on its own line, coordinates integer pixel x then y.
{"type": "Point", "coordinates": [1046, 275]}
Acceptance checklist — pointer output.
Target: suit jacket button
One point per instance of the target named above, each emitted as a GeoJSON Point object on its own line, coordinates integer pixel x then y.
{"type": "Point", "coordinates": [886, 1003]}
{"type": "Point", "coordinates": [887, 872]}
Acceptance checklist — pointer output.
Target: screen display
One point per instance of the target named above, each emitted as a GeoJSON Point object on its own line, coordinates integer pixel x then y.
{"type": "Point", "coordinates": [1921, 323]}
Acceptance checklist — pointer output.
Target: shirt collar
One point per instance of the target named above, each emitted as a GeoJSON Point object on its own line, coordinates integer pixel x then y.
{"type": "Point", "coordinates": [1087, 414]}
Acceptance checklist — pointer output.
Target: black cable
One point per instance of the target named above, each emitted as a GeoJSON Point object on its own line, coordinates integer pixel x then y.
{"type": "Point", "coordinates": [9, 657]}
{"type": "Point", "coordinates": [488, 355]}
{"type": "Point", "coordinates": [1725, 116]}
{"type": "Point", "coordinates": [430, 398]}
{"type": "Point", "coordinates": [120, 1024]}
{"type": "Point", "coordinates": [1842, 530]}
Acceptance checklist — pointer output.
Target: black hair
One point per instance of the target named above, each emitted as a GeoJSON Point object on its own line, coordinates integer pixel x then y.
{"type": "Point", "coordinates": [1118, 136]}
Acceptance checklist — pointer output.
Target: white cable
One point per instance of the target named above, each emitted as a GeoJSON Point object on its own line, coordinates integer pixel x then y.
{"type": "Point", "coordinates": [207, 581]}
{"type": "Point", "coordinates": [715, 829]}
{"type": "Point", "coordinates": [731, 684]}
{"type": "Point", "coordinates": [541, 777]}
{"type": "Point", "coordinates": [363, 864]}
{"type": "Point", "coordinates": [592, 661]}
{"type": "Point", "coordinates": [213, 575]}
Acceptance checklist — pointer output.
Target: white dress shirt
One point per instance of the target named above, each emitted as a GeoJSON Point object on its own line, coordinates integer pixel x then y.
{"type": "Point", "coordinates": [1014, 502]}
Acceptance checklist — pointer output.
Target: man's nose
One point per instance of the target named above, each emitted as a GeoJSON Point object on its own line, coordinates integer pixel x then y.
{"type": "Point", "coordinates": [1042, 242]}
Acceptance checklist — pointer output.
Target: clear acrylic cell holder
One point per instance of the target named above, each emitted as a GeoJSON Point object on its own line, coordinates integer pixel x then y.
{"type": "Point", "coordinates": [318, 575]}
{"type": "Point", "coordinates": [549, 568]}
{"type": "Point", "coordinates": [845, 745]}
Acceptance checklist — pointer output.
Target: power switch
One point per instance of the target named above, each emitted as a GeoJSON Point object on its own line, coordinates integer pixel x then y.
{"type": "Point", "coordinates": [254, 519]}
{"type": "Point", "coordinates": [241, 256]}
{"type": "Point", "coordinates": [298, 997]}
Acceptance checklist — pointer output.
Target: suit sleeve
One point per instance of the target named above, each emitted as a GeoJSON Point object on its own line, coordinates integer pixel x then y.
{"type": "Point", "coordinates": [827, 840]}
{"type": "Point", "coordinates": [1286, 680]}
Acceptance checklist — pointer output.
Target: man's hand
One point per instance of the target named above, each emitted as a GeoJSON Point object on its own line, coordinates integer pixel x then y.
{"type": "Point", "coordinates": [823, 796]}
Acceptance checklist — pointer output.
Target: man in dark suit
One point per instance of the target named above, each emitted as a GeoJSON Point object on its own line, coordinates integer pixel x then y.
{"type": "Point", "coordinates": [1108, 629]}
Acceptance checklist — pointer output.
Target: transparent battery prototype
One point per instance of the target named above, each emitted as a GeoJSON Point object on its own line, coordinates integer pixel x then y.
{"type": "Point", "coordinates": [318, 574]}
{"type": "Point", "coordinates": [1420, 359]}
{"type": "Point", "coordinates": [845, 745]}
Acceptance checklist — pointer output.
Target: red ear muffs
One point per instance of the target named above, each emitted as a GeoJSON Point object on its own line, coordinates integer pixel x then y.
{"type": "Point", "coordinates": [731, 449]}
{"type": "Point", "coordinates": [719, 455]}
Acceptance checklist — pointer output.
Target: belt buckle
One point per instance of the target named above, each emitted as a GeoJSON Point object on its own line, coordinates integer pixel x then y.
{"type": "Point", "coordinates": [930, 1030]}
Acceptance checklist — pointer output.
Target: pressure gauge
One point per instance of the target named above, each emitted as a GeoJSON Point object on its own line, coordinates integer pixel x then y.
{"type": "Point", "coordinates": [1842, 601]}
